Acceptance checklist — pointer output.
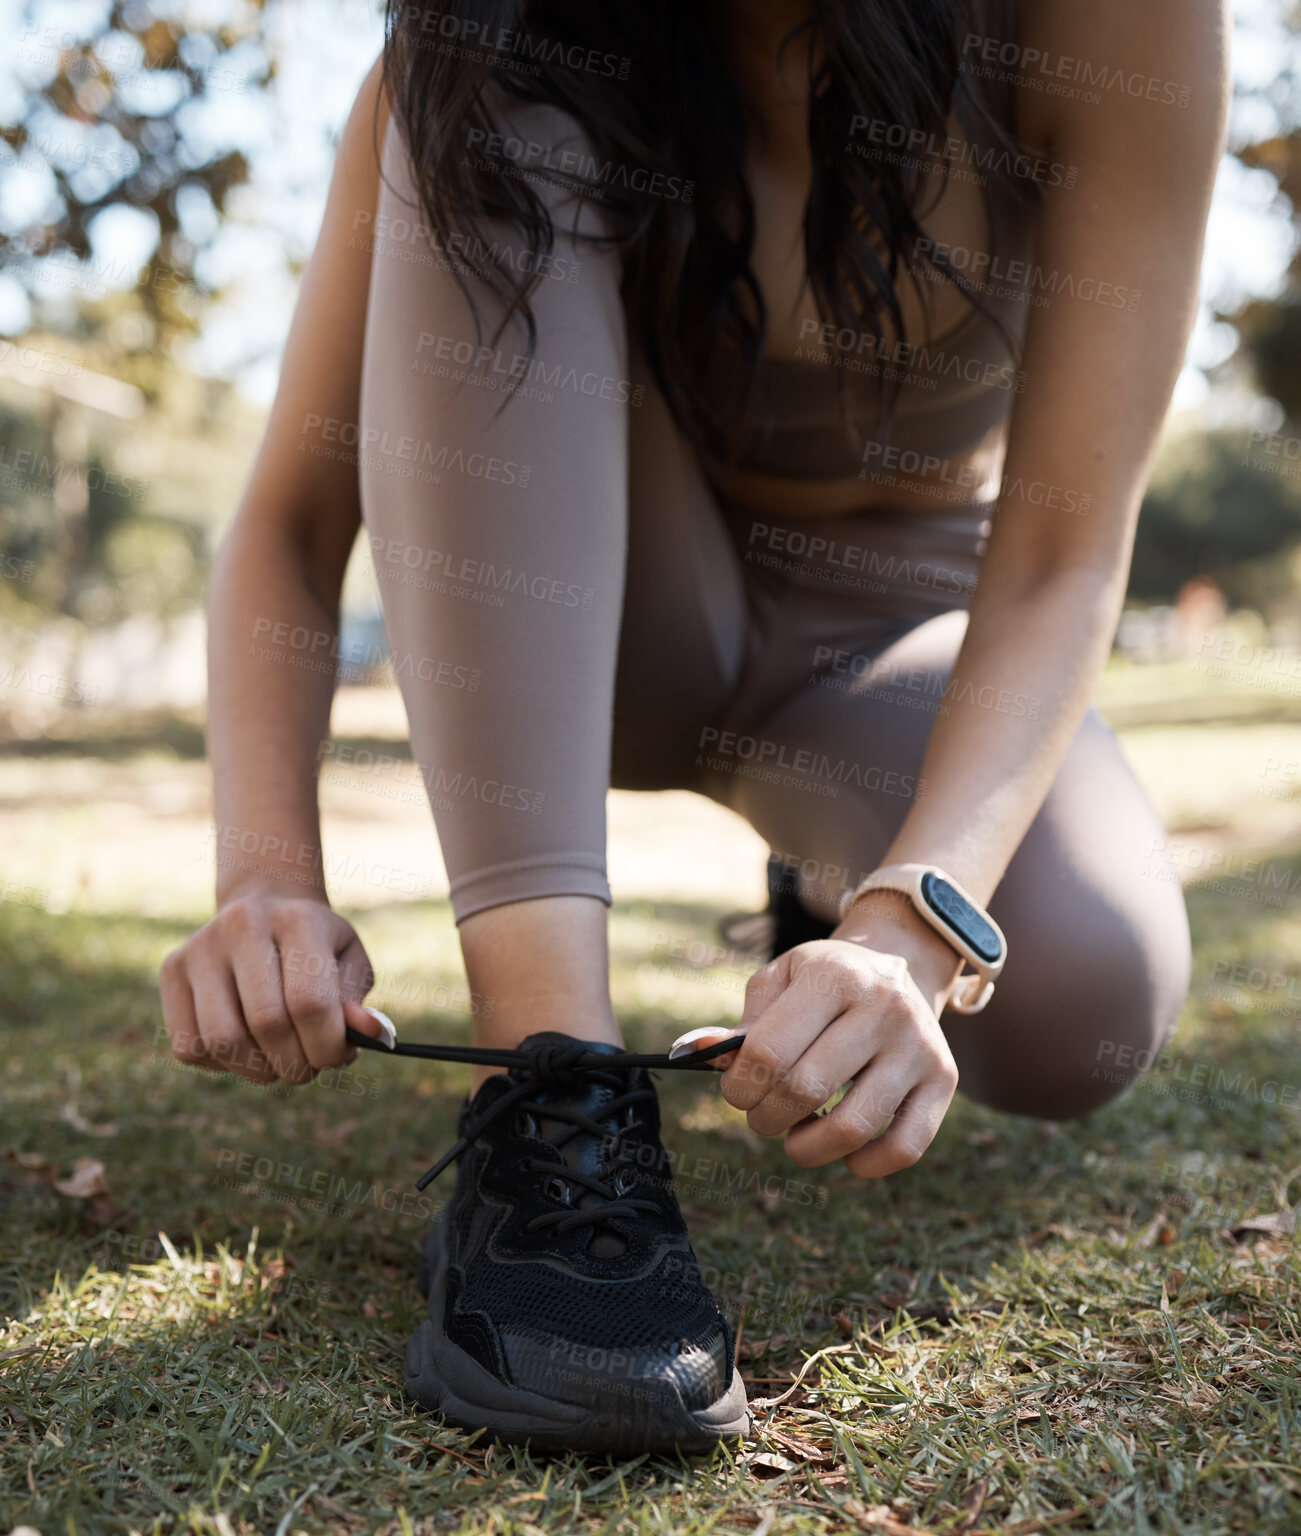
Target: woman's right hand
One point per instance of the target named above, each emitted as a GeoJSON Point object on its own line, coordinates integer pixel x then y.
{"type": "Point", "coordinates": [266, 988]}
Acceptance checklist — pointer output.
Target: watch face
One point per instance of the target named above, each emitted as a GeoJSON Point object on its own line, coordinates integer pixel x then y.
{"type": "Point", "coordinates": [970, 926]}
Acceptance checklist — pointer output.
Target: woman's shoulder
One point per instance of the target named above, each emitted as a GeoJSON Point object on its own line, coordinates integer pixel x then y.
{"type": "Point", "coordinates": [361, 141]}
{"type": "Point", "coordinates": [1074, 63]}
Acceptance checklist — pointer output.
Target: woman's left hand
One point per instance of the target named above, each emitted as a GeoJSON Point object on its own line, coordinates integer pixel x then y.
{"type": "Point", "coordinates": [839, 1009]}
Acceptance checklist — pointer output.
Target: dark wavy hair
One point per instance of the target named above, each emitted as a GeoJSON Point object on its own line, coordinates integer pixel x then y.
{"type": "Point", "coordinates": [647, 83]}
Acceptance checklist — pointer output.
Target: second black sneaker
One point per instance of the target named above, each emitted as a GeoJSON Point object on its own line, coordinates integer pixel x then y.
{"type": "Point", "coordinates": [783, 924]}
{"type": "Point", "coordinates": [565, 1304]}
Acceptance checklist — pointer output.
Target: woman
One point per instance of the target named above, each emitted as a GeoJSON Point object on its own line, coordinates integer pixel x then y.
{"type": "Point", "coordinates": [754, 398]}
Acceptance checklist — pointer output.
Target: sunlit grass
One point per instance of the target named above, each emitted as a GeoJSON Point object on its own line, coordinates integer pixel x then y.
{"type": "Point", "coordinates": [1038, 1328]}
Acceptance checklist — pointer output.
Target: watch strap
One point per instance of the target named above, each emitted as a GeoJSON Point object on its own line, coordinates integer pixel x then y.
{"type": "Point", "coordinates": [972, 990]}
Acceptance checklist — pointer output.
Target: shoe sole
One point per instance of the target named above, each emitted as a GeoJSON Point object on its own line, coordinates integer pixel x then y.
{"type": "Point", "coordinates": [646, 1418]}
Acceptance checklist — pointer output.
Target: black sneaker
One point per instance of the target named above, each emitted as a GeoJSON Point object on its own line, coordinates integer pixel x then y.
{"type": "Point", "coordinates": [566, 1307]}
{"type": "Point", "coordinates": [783, 924]}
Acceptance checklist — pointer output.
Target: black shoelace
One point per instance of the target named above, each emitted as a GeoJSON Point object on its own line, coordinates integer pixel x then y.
{"type": "Point", "coordinates": [548, 1062]}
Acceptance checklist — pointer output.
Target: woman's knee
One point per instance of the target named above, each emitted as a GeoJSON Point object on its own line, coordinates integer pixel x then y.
{"type": "Point", "coordinates": [1079, 1027]}
{"type": "Point", "coordinates": [1123, 1025]}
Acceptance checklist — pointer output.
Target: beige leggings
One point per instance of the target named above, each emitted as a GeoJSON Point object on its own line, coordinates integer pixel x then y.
{"type": "Point", "coordinates": [571, 607]}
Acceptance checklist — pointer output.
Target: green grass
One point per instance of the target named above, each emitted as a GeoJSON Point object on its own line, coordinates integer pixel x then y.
{"type": "Point", "coordinates": [1037, 1324]}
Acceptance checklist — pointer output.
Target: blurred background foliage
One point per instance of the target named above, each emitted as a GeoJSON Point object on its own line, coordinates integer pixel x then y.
{"type": "Point", "coordinates": [118, 459]}
{"type": "Point", "coordinates": [115, 458]}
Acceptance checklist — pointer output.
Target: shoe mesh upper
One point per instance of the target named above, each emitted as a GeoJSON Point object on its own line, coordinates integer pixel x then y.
{"type": "Point", "coordinates": [557, 1285]}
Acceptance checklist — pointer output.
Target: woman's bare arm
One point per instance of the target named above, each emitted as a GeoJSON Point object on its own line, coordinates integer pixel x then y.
{"type": "Point", "coordinates": [231, 996]}
{"type": "Point", "coordinates": [1101, 361]}
{"type": "Point", "coordinates": [281, 567]}
{"type": "Point", "coordinates": [1098, 383]}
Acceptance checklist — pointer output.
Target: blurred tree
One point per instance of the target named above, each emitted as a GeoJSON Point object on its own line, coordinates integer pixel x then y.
{"type": "Point", "coordinates": [1270, 329]}
{"type": "Point", "coordinates": [110, 116]}
{"type": "Point", "coordinates": [115, 115]}
{"type": "Point", "coordinates": [1211, 510]}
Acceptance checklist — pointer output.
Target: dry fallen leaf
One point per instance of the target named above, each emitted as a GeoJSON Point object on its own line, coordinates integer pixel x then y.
{"type": "Point", "coordinates": [881, 1518]}
{"type": "Point", "coordinates": [752, 1348]}
{"type": "Point", "coordinates": [802, 1448]}
{"type": "Point", "coordinates": [1158, 1232]}
{"type": "Point", "coordinates": [1277, 1223]}
{"type": "Point", "coordinates": [86, 1180]}
{"type": "Point", "coordinates": [971, 1503]}
{"type": "Point", "coordinates": [72, 1116]}
{"type": "Point", "coordinates": [768, 1464]}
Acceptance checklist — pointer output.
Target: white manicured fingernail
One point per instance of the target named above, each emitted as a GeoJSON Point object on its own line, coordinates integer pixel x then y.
{"type": "Point", "coordinates": [390, 1035]}
{"type": "Point", "coordinates": [685, 1045]}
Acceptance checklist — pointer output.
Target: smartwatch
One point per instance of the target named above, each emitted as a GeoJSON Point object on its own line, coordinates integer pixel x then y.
{"type": "Point", "coordinates": [955, 915]}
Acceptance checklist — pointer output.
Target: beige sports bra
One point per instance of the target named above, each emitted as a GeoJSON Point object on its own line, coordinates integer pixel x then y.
{"type": "Point", "coordinates": [937, 396]}
{"type": "Point", "coordinates": [949, 393]}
